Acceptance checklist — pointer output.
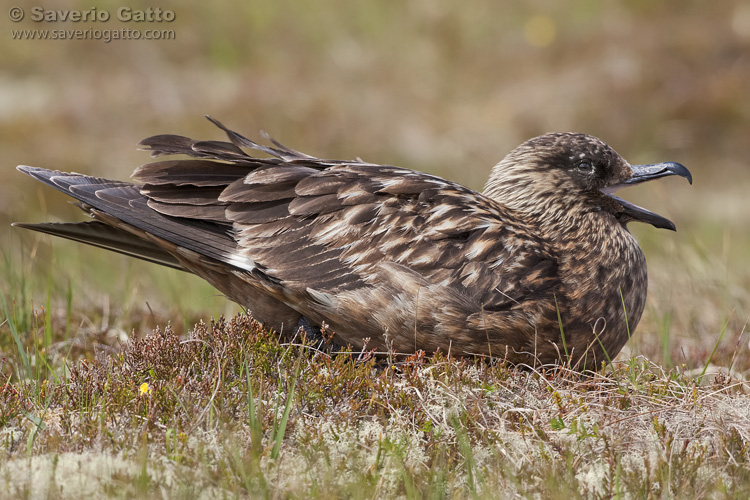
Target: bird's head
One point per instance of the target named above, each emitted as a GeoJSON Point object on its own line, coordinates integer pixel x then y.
{"type": "Point", "coordinates": [554, 175]}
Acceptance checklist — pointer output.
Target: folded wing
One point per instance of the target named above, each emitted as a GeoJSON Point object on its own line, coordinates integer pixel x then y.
{"type": "Point", "coordinates": [321, 234]}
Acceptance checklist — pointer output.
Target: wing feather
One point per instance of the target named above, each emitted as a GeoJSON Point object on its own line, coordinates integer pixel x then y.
{"type": "Point", "coordinates": [328, 237]}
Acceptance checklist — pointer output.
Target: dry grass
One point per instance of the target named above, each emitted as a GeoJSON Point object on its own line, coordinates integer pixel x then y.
{"type": "Point", "coordinates": [231, 411]}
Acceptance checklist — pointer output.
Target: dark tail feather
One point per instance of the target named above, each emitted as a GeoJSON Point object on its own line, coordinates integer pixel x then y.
{"type": "Point", "coordinates": [104, 236]}
{"type": "Point", "coordinates": [124, 202]}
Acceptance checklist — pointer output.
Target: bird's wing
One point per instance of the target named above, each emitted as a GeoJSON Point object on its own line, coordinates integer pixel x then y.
{"type": "Point", "coordinates": [122, 201]}
{"type": "Point", "coordinates": [107, 237]}
{"type": "Point", "coordinates": [333, 229]}
{"type": "Point", "coordinates": [316, 227]}
{"type": "Point", "coordinates": [328, 225]}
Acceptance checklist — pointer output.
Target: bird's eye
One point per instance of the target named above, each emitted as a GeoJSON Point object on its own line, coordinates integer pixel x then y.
{"type": "Point", "coordinates": [585, 166]}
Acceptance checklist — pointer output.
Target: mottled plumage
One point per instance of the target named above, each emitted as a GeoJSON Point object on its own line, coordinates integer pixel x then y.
{"type": "Point", "coordinates": [539, 265]}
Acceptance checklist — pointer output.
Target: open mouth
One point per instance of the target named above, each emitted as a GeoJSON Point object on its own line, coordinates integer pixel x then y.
{"type": "Point", "coordinates": [643, 173]}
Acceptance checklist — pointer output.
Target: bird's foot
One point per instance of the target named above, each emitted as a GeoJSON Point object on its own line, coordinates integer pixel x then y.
{"type": "Point", "coordinates": [315, 336]}
{"type": "Point", "coordinates": [322, 338]}
{"type": "Point", "coordinates": [311, 331]}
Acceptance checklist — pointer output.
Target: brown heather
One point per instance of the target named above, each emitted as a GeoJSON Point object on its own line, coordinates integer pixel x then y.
{"type": "Point", "coordinates": [362, 428]}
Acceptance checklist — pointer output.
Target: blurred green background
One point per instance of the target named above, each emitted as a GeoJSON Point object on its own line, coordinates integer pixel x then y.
{"type": "Point", "coordinates": [440, 86]}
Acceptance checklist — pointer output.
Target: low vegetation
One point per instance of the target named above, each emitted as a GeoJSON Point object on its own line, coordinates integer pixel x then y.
{"type": "Point", "coordinates": [228, 410]}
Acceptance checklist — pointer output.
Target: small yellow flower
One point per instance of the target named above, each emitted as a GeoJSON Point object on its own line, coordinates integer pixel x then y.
{"type": "Point", "coordinates": [145, 389]}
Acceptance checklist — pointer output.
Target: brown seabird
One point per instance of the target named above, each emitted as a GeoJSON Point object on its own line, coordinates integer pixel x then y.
{"type": "Point", "coordinates": [538, 268]}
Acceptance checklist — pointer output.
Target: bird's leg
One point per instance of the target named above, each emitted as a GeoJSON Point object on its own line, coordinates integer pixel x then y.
{"type": "Point", "coordinates": [311, 331]}
{"type": "Point", "coordinates": [319, 337]}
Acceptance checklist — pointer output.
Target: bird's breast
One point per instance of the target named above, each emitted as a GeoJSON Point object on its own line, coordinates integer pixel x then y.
{"type": "Point", "coordinates": [604, 283]}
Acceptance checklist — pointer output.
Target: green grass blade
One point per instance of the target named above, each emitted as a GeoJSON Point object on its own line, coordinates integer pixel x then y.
{"type": "Point", "coordinates": [17, 338]}
{"type": "Point", "coordinates": [279, 433]}
{"type": "Point", "coordinates": [716, 346]}
{"type": "Point", "coordinates": [562, 333]}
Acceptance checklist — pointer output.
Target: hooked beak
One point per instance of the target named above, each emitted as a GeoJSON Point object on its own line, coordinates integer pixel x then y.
{"type": "Point", "coordinates": [643, 173]}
